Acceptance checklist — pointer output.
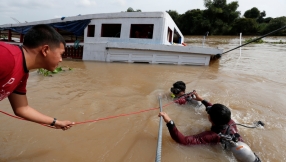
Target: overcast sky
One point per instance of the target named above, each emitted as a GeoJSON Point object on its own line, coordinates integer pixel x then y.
{"type": "Point", "coordinates": [34, 10]}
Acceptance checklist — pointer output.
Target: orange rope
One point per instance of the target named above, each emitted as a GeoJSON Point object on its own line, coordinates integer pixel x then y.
{"type": "Point", "coordinates": [116, 116]}
{"type": "Point", "coordinates": [96, 120]}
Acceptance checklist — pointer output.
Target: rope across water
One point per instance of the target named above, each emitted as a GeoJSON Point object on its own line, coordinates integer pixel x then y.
{"type": "Point", "coordinates": [99, 119]}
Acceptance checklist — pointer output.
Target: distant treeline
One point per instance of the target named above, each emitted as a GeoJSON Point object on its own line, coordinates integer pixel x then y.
{"type": "Point", "coordinates": [221, 18]}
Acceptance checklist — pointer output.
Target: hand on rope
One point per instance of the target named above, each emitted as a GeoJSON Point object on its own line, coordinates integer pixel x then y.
{"type": "Point", "coordinates": [46, 125]}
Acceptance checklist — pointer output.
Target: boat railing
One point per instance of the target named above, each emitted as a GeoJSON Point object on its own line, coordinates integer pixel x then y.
{"type": "Point", "coordinates": [73, 52]}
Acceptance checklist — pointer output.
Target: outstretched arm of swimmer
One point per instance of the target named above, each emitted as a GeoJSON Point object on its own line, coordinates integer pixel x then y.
{"type": "Point", "coordinates": [202, 138]}
{"type": "Point", "coordinates": [21, 108]}
{"type": "Point", "coordinates": [175, 134]}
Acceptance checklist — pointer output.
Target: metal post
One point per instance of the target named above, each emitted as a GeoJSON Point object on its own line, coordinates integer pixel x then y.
{"type": "Point", "coordinates": [9, 35]}
{"type": "Point", "coordinates": [21, 38]}
{"type": "Point", "coordinates": [159, 143]}
{"type": "Point", "coordinates": [240, 44]}
{"type": "Point", "coordinates": [206, 34]}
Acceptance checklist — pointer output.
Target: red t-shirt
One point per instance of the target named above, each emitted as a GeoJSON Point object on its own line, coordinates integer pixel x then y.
{"type": "Point", "coordinates": [13, 70]}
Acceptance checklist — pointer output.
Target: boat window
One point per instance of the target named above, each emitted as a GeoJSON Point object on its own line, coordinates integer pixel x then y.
{"type": "Point", "coordinates": [169, 35]}
{"type": "Point", "coordinates": [111, 30]}
{"type": "Point", "coordinates": [142, 31]}
{"type": "Point", "coordinates": [90, 30]}
{"type": "Point", "coordinates": [177, 37]}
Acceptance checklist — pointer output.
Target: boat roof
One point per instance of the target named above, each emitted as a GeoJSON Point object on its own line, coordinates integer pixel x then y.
{"type": "Point", "coordinates": [92, 16]}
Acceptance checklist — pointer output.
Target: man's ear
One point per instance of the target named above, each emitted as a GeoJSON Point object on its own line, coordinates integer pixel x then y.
{"type": "Point", "coordinates": [45, 49]}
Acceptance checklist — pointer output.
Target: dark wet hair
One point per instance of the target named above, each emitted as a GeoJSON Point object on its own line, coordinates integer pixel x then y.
{"type": "Point", "coordinates": [219, 114]}
{"type": "Point", "coordinates": [43, 34]}
{"type": "Point", "coordinates": [178, 87]}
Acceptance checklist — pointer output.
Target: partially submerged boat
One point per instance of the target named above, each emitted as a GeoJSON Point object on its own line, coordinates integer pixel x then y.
{"type": "Point", "coordinates": [145, 37]}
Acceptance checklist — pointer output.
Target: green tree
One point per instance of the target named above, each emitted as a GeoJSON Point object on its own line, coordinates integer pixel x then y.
{"type": "Point", "coordinates": [268, 19]}
{"type": "Point", "coordinates": [246, 26]}
{"type": "Point", "coordinates": [230, 12]}
{"type": "Point", "coordinates": [174, 15]}
{"type": "Point", "coordinates": [193, 22]}
{"type": "Point", "coordinates": [130, 9]}
{"type": "Point", "coordinates": [263, 14]}
{"type": "Point", "coordinates": [253, 13]}
{"type": "Point", "coordinates": [220, 15]}
{"type": "Point", "coordinates": [261, 28]}
{"type": "Point", "coordinates": [221, 18]}
{"type": "Point", "coordinates": [260, 19]}
{"type": "Point", "coordinates": [275, 24]}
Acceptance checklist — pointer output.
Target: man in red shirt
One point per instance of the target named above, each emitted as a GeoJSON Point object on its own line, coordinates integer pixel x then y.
{"type": "Point", "coordinates": [219, 116]}
{"type": "Point", "coordinates": [42, 48]}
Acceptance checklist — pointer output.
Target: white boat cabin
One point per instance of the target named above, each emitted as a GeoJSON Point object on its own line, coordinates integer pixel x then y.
{"type": "Point", "coordinates": [149, 37]}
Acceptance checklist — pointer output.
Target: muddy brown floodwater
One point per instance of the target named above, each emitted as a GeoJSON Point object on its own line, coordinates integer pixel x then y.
{"type": "Point", "coordinates": [251, 84]}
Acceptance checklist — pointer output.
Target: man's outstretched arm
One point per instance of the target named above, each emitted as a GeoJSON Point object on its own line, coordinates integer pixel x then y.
{"type": "Point", "coordinates": [21, 108]}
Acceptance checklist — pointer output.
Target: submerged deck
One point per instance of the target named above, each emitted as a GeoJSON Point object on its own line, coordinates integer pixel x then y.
{"type": "Point", "coordinates": [159, 54]}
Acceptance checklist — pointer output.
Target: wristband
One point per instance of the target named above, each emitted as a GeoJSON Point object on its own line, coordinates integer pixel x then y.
{"type": "Point", "coordinates": [54, 122]}
{"type": "Point", "coordinates": [170, 124]}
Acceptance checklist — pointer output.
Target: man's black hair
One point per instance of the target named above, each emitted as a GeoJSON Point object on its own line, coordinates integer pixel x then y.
{"type": "Point", "coordinates": [43, 34]}
{"type": "Point", "coordinates": [180, 85]}
{"type": "Point", "coordinates": [219, 114]}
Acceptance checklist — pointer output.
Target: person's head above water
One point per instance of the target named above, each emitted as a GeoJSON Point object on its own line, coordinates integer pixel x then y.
{"type": "Point", "coordinates": [178, 88]}
{"type": "Point", "coordinates": [43, 34]}
{"type": "Point", "coordinates": [43, 47]}
{"type": "Point", "coordinates": [219, 114]}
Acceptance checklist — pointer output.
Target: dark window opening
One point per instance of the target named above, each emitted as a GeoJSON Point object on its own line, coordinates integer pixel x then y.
{"type": "Point", "coordinates": [169, 35]}
{"type": "Point", "coordinates": [90, 30]}
{"type": "Point", "coordinates": [111, 30]}
{"type": "Point", "coordinates": [144, 31]}
{"type": "Point", "coordinates": [71, 37]}
{"type": "Point", "coordinates": [177, 37]}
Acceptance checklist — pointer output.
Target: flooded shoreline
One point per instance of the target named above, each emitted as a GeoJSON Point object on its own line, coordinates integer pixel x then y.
{"type": "Point", "coordinates": [251, 84]}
